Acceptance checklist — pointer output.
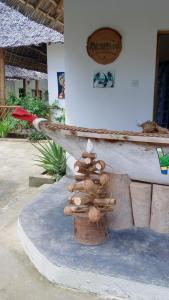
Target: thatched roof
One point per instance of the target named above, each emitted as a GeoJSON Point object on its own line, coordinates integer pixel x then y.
{"type": "Point", "coordinates": [18, 73]}
{"type": "Point", "coordinates": [47, 12]}
{"type": "Point", "coordinates": [18, 30]}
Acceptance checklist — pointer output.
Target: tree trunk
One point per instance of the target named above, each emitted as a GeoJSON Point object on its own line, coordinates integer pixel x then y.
{"type": "Point", "coordinates": [2, 77]}
{"type": "Point", "coordinates": [89, 233]}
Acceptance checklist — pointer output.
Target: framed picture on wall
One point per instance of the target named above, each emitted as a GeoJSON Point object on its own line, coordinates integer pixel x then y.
{"type": "Point", "coordinates": [104, 79]}
{"type": "Point", "coordinates": [61, 85]}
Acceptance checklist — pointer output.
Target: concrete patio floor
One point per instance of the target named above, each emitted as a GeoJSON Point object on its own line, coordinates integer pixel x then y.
{"type": "Point", "coordinates": [19, 280]}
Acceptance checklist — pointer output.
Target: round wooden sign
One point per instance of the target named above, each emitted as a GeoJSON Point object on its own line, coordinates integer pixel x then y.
{"type": "Point", "coordinates": [104, 45]}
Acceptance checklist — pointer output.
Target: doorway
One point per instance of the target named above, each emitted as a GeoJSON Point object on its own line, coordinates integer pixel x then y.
{"type": "Point", "coordinates": [161, 104]}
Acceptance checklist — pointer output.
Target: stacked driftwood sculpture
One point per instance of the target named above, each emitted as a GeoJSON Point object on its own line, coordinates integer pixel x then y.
{"type": "Point", "coordinates": [90, 200]}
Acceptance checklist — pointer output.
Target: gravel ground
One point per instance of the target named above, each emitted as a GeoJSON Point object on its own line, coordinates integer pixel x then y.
{"type": "Point", "coordinates": [19, 280]}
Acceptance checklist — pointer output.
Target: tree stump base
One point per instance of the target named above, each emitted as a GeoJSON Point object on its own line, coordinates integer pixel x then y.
{"type": "Point", "coordinates": [89, 233]}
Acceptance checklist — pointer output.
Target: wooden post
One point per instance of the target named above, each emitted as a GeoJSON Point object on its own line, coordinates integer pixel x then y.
{"type": "Point", "coordinates": [37, 88]}
{"type": "Point", "coordinates": [160, 209]}
{"type": "Point", "coordinates": [25, 86]}
{"type": "Point", "coordinates": [141, 203]}
{"type": "Point", "coordinates": [2, 77]}
{"type": "Point", "coordinates": [119, 189]}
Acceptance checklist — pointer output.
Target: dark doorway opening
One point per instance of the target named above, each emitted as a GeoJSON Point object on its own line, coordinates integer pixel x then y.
{"type": "Point", "coordinates": [161, 106]}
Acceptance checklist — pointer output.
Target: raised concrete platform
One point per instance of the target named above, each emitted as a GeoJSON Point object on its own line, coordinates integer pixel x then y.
{"type": "Point", "coordinates": [132, 264]}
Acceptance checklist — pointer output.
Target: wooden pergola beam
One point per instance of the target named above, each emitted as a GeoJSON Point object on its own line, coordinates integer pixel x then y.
{"type": "Point", "coordinates": [2, 77]}
{"type": "Point", "coordinates": [37, 51]}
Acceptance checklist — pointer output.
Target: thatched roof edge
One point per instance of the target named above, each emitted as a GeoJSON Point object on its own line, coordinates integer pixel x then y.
{"type": "Point", "coordinates": [19, 73]}
{"type": "Point", "coordinates": [17, 30]}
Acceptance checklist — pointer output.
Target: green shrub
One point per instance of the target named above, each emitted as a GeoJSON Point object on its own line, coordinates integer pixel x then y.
{"type": "Point", "coordinates": [17, 124]}
{"type": "Point", "coordinates": [35, 136]}
{"type": "Point", "coordinates": [61, 117]}
{"type": "Point", "coordinates": [52, 159]}
{"type": "Point", "coordinates": [34, 105]}
{"type": "Point", "coordinates": [5, 128]}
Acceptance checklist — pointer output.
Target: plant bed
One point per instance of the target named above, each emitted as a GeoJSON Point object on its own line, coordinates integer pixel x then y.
{"type": "Point", "coordinates": [28, 134]}
{"type": "Point", "coordinates": [36, 181]}
{"type": "Point", "coordinates": [52, 158]}
{"type": "Point", "coordinates": [18, 135]}
{"type": "Point", "coordinates": [13, 128]}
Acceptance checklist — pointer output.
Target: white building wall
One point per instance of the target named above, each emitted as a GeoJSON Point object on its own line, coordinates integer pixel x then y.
{"type": "Point", "coordinates": [131, 101]}
{"type": "Point", "coordinates": [55, 57]}
{"type": "Point", "coordinates": [13, 86]}
{"type": "Point", "coordinates": [9, 87]}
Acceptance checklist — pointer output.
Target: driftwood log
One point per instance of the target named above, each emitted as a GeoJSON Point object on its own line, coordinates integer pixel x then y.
{"type": "Point", "coordinates": [81, 199]}
{"type": "Point", "coordinates": [90, 233]}
{"type": "Point", "coordinates": [87, 186]}
{"type": "Point", "coordinates": [81, 167]}
{"type": "Point", "coordinates": [94, 214]}
{"type": "Point", "coordinates": [73, 209]}
{"type": "Point", "coordinates": [88, 157]}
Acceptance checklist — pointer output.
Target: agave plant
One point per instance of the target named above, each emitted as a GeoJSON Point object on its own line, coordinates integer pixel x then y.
{"type": "Point", "coordinates": [52, 159]}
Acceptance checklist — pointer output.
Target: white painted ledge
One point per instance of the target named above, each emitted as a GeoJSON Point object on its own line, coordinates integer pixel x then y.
{"type": "Point", "coordinates": [104, 286]}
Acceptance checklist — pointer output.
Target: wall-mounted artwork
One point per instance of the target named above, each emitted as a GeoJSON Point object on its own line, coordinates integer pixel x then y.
{"type": "Point", "coordinates": [104, 79]}
{"type": "Point", "coordinates": [61, 85]}
{"type": "Point", "coordinates": [104, 45]}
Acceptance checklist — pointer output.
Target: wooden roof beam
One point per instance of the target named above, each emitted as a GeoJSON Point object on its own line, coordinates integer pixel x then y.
{"type": "Point", "coordinates": [46, 14]}
{"type": "Point", "coordinates": [36, 7]}
{"type": "Point", "coordinates": [38, 4]}
{"type": "Point", "coordinates": [53, 2]}
{"type": "Point", "coordinates": [50, 8]}
{"type": "Point", "coordinates": [59, 9]}
{"type": "Point", "coordinates": [60, 4]}
{"type": "Point", "coordinates": [38, 51]}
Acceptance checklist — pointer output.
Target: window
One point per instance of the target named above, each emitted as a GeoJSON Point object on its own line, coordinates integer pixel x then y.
{"type": "Point", "coordinates": [34, 93]}
{"type": "Point", "coordinates": [40, 94]}
{"type": "Point", "coordinates": [21, 93]}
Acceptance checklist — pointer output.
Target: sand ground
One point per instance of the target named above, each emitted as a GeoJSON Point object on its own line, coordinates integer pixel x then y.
{"type": "Point", "coordinates": [19, 280]}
